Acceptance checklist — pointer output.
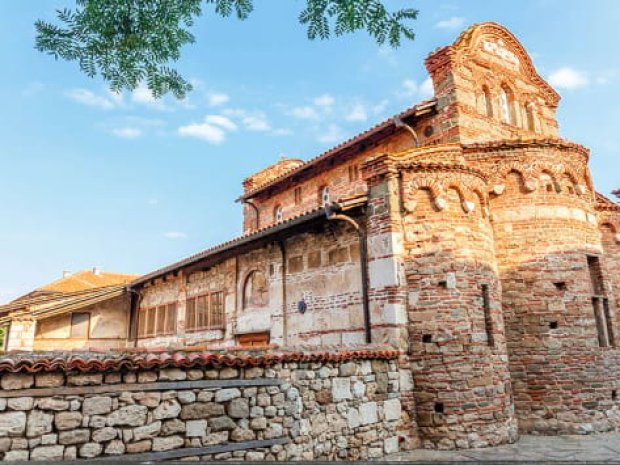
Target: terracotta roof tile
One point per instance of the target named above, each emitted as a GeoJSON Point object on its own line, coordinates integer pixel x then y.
{"type": "Point", "coordinates": [98, 362]}
{"type": "Point", "coordinates": [87, 279]}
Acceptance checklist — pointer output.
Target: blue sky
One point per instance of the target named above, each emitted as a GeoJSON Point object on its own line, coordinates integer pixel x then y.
{"type": "Point", "coordinates": [128, 184]}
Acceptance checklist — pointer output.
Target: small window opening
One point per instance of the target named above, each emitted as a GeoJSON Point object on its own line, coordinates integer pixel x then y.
{"type": "Point", "coordinates": [443, 283]}
{"type": "Point", "coordinates": [354, 173]}
{"type": "Point", "coordinates": [553, 325]}
{"type": "Point", "coordinates": [488, 320]}
{"type": "Point", "coordinates": [439, 408]}
{"type": "Point", "coordinates": [297, 194]}
{"type": "Point", "coordinates": [529, 111]}
{"type": "Point", "coordinates": [560, 285]}
{"type": "Point", "coordinates": [324, 196]}
{"type": "Point", "coordinates": [488, 105]}
{"type": "Point", "coordinates": [614, 395]}
{"type": "Point", "coordinates": [427, 338]}
{"type": "Point", "coordinates": [80, 325]}
{"type": "Point", "coordinates": [506, 105]}
{"type": "Point", "coordinates": [277, 214]}
{"type": "Point", "coordinates": [594, 268]}
{"type": "Point", "coordinates": [549, 188]}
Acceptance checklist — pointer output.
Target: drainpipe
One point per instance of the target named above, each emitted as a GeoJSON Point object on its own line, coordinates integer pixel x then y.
{"type": "Point", "coordinates": [284, 315]}
{"type": "Point", "coordinates": [134, 306]}
{"type": "Point", "coordinates": [251, 204]}
{"type": "Point", "coordinates": [399, 123]}
{"type": "Point", "coordinates": [330, 212]}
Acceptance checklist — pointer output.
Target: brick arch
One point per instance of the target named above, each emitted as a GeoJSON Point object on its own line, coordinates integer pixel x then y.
{"type": "Point", "coordinates": [614, 226]}
{"type": "Point", "coordinates": [435, 187]}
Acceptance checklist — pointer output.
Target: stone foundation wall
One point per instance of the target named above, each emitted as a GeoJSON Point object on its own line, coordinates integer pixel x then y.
{"type": "Point", "coordinates": [333, 408]}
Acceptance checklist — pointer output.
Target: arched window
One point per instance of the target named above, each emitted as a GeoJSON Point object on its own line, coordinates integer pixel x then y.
{"type": "Point", "coordinates": [255, 290]}
{"type": "Point", "coordinates": [277, 214]}
{"type": "Point", "coordinates": [529, 113]}
{"type": "Point", "coordinates": [506, 103]}
{"type": "Point", "coordinates": [324, 198]}
{"type": "Point", "coordinates": [486, 100]}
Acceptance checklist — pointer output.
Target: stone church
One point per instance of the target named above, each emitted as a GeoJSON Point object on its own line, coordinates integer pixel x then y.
{"type": "Point", "coordinates": [463, 231]}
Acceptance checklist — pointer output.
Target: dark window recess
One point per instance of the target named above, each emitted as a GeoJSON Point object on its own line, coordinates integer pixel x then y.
{"type": "Point", "coordinates": [600, 304]}
{"type": "Point", "coordinates": [80, 325]}
{"type": "Point", "coordinates": [553, 325]}
{"type": "Point", "coordinates": [614, 395]}
{"type": "Point", "coordinates": [443, 283]}
{"type": "Point", "coordinates": [594, 267]}
{"type": "Point", "coordinates": [488, 320]}
{"type": "Point", "coordinates": [608, 319]}
{"type": "Point", "coordinates": [560, 285]}
{"type": "Point", "coordinates": [426, 338]}
{"type": "Point", "coordinates": [354, 173]}
{"type": "Point", "coordinates": [439, 407]}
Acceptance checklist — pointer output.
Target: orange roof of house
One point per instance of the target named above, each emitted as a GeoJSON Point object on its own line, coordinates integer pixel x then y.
{"type": "Point", "coordinates": [86, 279]}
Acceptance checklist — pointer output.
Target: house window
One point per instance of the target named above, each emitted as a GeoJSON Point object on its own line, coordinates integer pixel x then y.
{"type": "Point", "coordinates": [324, 198]}
{"type": "Point", "coordinates": [297, 194]}
{"type": "Point", "coordinates": [80, 325]}
{"type": "Point", "coordinates": [255, 290]}
{"type": "Point", "coordinates": [506, 104]}
{"type": "Point", "coordinates": [488, 320]}
{"type": "Point", "coordinates": [277, 214]}
{"type": "Point", "coordinates": [354, 173]}
{"type": "Point", "coordinates": [486, 100]}
{"type": "Point", "coordinates": [205, 312]}
{"type": "Point", "coordinates": [160, 320]}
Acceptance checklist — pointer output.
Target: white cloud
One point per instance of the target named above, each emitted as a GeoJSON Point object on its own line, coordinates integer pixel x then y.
{"type": "Point", "coordinates": [282, 132]}
{"type": "Point", "coordinates": [204, 131]}
{"type": "Point", "coordinates": [409, 88]}
{"type": "Point", "coordinates": [324, 101]}
{"type": "Point", "coordinates": [221, 121]}
{"type": "Point", "coordinates": [142, 95]}
{"type": "Point", "coordinates": [454, 22]}
{"type": "Point", "coordinates": [214, 99]}
{"type": "Point", "coordinates": [251, 120]}
{"type": "Point", "coordinates": [87, 97]}
{"type": "Point", "coordinates": [127, 133]}
{"type": "Point", "coordinates": [568, 78]}
{"type": "Point", "coordinates": [426, 88]}
{"type": "Point", "coordinates": [380, 107]}
{"type": "Point", "coordinates": [305, 112]}
{"type": "Point", "coordinates": [357, 113]}
{"type": "Point", "coordinates": [334, 133]}
{"type": "Point", "coordinates": [175, 235]}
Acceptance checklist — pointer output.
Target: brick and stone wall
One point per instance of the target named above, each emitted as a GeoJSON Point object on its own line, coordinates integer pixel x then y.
{"type": "Point", "coordinates": [545, 228]}
{"type": "Point", "coordinates": [254, 407]}
{"type": "Point", "coordinates": [456, 330]}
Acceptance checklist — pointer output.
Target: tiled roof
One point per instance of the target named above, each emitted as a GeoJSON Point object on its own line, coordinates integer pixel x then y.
{"type": "Point", "coordinates": [388, 123]}
{"type": "Point", "coordinates": [92, 362]}
{"type": "Point", "coordinates": [46, 306]}
{"type": "Point", "coordinates": [87, 279]}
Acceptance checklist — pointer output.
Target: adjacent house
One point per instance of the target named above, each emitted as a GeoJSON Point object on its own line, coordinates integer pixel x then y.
{"type": "Point", "coordinates": [87, 309]}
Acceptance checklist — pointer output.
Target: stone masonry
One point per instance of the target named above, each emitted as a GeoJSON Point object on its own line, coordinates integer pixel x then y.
{"type": "Point", "coordinates": [342, 409]}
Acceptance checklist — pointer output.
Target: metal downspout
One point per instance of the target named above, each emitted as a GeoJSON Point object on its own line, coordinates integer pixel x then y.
{"type": "Point", "coordinates": [361, 235]}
